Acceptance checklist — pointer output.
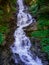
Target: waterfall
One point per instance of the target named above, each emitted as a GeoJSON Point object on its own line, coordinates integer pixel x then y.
{"type": "Point", "coordinates": [22, 44]}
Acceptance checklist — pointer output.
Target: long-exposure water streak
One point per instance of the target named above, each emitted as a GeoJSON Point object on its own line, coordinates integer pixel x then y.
{"type": "Point", "coordinates": [22, 44]}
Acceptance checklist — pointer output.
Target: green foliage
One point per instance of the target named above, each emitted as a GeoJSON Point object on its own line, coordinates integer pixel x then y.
{"type": "Point", "coordinates": [7, 7]}
{"type": "Point", "coordinates": [44, 42]}
{"type": "Point", "coordinates": [42, 2]}
{"type": "Point", "coordinates": [33, 9]}
{"type": "Point", "coordinates": [46, 49]}
{"type": "Point", "coordinates": [40, 33]}
{"type": "Point", "coordinates": [2, 38]}
{"type": "Point", "coordinates": [42, 22]}
{"type": "Point", "coordinates": [41, 10]}
{"type": "Point", "coordinates": [1, 12]}
{"type": "Point", "coordinates": [40, 7]}
{"type": "Point", "coordinates": [45, 45]}
{"type": "Point", "coordinates": [3, 29]}
{"type": "Point", "coordinates": [13, 1]}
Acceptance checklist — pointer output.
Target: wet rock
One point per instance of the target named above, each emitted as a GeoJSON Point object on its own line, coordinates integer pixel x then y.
{"type": "Point", "coordinates": [4, 56]}
{"type": "Point", "coordinates": [7, 58]}
{"type": "Point", "coordinates": [36, 48]}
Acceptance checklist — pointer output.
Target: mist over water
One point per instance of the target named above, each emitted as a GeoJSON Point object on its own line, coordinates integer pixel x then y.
{"type": "Point", "coordinates": [22, 44]}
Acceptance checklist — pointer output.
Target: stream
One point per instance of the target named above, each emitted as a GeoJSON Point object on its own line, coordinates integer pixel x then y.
{"type": "Point", "coordinates": [22, 43]}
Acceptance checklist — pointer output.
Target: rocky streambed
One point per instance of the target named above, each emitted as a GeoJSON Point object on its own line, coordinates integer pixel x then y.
{"type": "Point", "coordinates": [5, 52]}
{"type": "Point", "coordinates": [6, 56]}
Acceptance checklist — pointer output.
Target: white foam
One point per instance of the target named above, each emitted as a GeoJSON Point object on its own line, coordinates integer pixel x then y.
{"type": "Point", "coordinates": [22, 43]}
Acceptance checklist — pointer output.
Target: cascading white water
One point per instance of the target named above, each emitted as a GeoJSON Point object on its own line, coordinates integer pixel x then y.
{"type": "Point", "coordinates": [22, 43]}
